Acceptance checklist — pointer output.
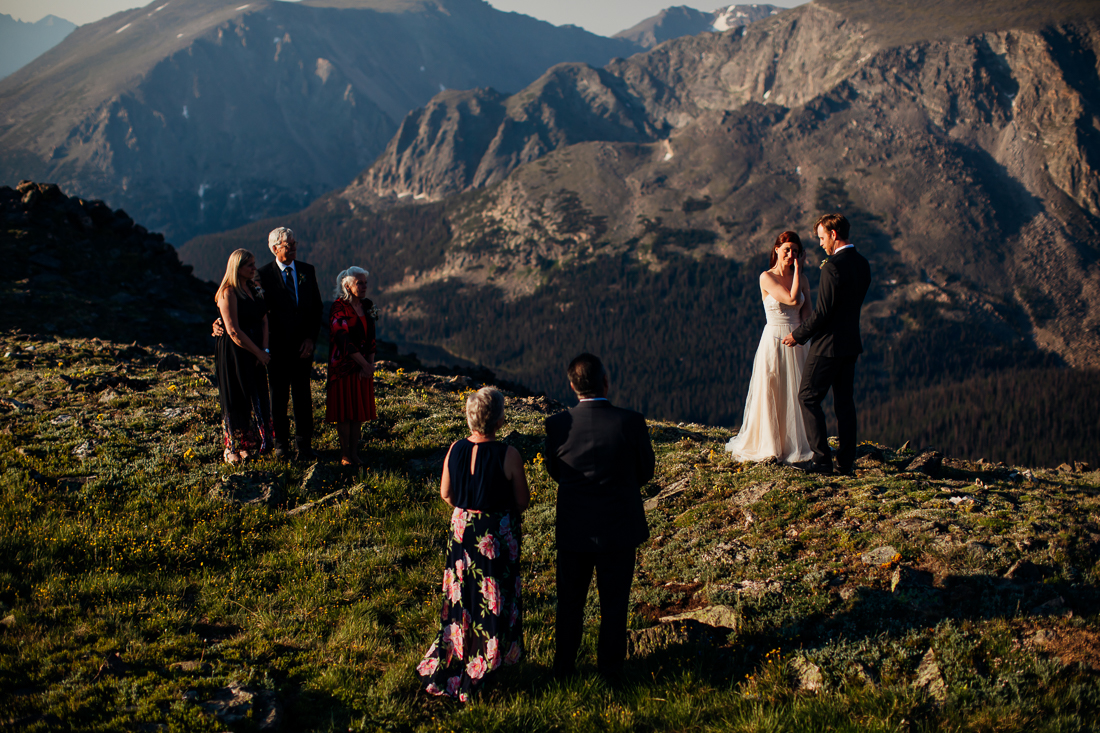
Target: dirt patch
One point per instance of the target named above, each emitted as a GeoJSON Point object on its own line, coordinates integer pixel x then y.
{"type": "Point", "coordinates": [1069, 645]}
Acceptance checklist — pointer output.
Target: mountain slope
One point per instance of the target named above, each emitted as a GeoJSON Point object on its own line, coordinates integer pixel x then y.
{"type": "Point", "coordinates": [198, 115]}
{"type": "Point", "coordinates": [21, 42]}
{"type": "Point", "coordinates": [967, 166]}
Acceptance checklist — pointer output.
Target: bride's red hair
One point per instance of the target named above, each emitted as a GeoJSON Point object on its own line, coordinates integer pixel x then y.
{"type": "Point", "coordinates": [796, 245]}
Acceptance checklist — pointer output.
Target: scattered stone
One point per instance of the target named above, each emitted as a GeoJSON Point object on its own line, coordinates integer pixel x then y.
{"type": "Point", "coordinates": [302, 508]}
{"type": "Point", "coordinates": [1054, 607]}
{"type": "Point", "coordinates": [667, 494]}
{"type": "Point", "coordinates": [8, 621]}
{"type": "Point", "coordinates": [62, 419]}
{"type": "Point", "coordinates": [1081, 467]}
{"type": "Point", "coordinates": [721, 616]}
{"type": "Point", "coordinates": [16, 405]}
{"type": "Point", "coordinates": [113, 664]}
{"type": "Point", "coordinates": [977, 550]}
{"type": "Point", "coordinates": [320, 478]}
{"type": "Point", "coordinates": [907, 579]}
{"type": "Point", "coordinates": [252, 487]}
{"type": "Point", "coordinates": [1027, 474]}
{"type": "Point", "coordinates": [643, 642]}
{"type": "Point", "coordinates": [905, 447]}
{"type": "Point", "coordinates": [754, 493]}
{"type": "Point", "coordinates": [962, 500]}
{"type": "Point", "coordinates": [386, 366]}
{"type": "Point", "coordinates": [236, 704]}
{"type": "Point", "coordinates": [880, 556]}
{"type": "Point", "coordinates": [85, 450]}
{"type": "Point", "coordinates": [108, 397]}
{"type": "Point", "coordinates": [174, 412]}
{"type": "Point", "coordinates": [760, 588]}
{"type": "Point", "coordinates": [170, 363]}
{"type": "Point", "coordinates": [808, 674]}
{"type": "Point", "coordinates": [929, 677]}
{"type": "Point", "coordinates": [1065, 468]}
{"type": "Point", "coordinates": [463, 382]}
{"type": "Point", "coordinates": [927, 463]}
{"type": "Point", "coordinates": [193, 665]}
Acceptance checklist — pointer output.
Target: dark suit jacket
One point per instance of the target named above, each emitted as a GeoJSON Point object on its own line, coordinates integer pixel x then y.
{"type": "Point", "coordinates": [601, 457]}
{"type": "Point", "coordinates": [291, 323]}
{"type": "Point", "coordinates": [834, 324]}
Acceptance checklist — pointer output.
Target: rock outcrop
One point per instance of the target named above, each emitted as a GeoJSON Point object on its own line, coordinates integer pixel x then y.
{"type": "Point", "coordinates": [199, 116]}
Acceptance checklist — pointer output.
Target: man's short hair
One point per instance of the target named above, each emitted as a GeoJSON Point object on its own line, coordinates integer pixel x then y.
{"type": "Point", "coordinates": [835, 223]}
{"type": "Point", "coordinates": [277, 237]}
{"type": "Point", "coordinates": [587, 375]}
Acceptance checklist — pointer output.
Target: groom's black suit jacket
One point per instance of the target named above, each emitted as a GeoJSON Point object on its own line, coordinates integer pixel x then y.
{"type": "Point", "coordinates": [290, 323]}
{"type": "Point", "coordinates": [834, 324]}
{"type": "Point", "coordinates": [601, 457]}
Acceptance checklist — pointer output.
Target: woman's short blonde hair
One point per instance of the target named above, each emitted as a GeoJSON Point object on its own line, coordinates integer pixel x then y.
{"type": "Point", "coordinates": [484, 409]}
{"type": "Point", "coordinates": [345, 279]}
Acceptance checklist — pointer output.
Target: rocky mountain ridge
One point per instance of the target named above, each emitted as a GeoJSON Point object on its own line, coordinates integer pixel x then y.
{"type": "Point", "coordinates": [75, 268]}
{"type": "Point", "coordinates": [198, 115]}
{"type": "Point", "coordinates": [948, 146]}
{"type": "Point", "coordinates": [21, 42]}
{"type": "Point", "coordinates": [681, 20]}
{"type": "Point", "coordinates": [966, 164]}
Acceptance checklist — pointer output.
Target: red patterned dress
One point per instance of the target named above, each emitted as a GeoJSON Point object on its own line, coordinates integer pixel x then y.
{"type": "Point", "coordinates": [350, 397]}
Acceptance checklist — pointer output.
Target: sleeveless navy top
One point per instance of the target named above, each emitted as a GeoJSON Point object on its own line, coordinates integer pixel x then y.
{"type": "Point", "coordinates": [487, 489]}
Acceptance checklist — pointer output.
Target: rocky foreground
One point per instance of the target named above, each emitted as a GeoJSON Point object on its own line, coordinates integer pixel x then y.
{"type": "Point", "coordinates": [143, 583]}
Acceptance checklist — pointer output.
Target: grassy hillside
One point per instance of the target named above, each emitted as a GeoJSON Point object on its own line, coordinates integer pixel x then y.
{"type": "Point", "coordinates": [138, 593]}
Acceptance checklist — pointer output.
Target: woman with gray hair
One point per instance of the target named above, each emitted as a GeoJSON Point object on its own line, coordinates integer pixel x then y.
{"type": "Point", "coordinates": [482, 620]}
{"type": "Point", "coordinates": [351, 349]}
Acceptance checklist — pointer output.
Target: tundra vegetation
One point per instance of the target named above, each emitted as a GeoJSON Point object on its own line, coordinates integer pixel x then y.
{"type": "Point", "coordinates": [145, 585]}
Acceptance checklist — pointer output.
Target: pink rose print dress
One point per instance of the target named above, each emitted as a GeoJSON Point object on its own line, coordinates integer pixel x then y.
{"type": "Point", "coordinates": [481, 621]}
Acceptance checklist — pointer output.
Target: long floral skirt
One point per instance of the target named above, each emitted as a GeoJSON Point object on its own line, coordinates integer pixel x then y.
{"type": "Point", "coordinates": [482, 616]}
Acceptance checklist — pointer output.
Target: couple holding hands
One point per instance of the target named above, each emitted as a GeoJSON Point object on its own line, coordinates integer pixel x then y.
{"type": "Point", "coordinates": [783, 417]}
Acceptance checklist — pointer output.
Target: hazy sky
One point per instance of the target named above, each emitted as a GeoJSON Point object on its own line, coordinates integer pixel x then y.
{"type": "Point", "coordinates": [606, 17]}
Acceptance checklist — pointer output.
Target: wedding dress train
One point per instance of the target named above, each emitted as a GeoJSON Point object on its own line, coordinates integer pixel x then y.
{"type": "Point", "coordinates": [773, 423]}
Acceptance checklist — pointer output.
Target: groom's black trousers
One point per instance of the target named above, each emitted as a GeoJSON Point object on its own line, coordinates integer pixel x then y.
{"type": "Point", "coordinates": [614, 575]}
{"type": "Point", "coordinates": [821, 374]}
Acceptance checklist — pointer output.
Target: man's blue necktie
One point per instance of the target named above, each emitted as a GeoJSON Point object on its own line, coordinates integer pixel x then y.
{"type": "Point", "coordinates": [288, 278]}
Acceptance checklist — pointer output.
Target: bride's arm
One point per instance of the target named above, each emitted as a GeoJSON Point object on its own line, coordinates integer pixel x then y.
{"type": "Point", "coordinates": [770, 285]}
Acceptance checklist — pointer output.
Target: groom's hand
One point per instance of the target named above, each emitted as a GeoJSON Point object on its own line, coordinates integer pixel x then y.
{"type": "Point", "coordinates": [788, 340]}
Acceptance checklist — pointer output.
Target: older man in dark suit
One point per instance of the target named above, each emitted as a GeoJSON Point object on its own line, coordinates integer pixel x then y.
{"type": "Point", "coordinates": [601, 456]}
{"type": "Point", "coordinates": [834, 328]}
{"type": "Point", "coordinates": [294, 317]}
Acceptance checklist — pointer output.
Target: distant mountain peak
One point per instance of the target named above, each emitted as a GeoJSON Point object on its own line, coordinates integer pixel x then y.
{"type": "Point", "coordinates": [680, 20]}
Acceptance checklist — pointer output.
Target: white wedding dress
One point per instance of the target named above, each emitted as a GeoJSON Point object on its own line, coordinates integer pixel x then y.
{"type": "Point", "coordinates": [773, 424]}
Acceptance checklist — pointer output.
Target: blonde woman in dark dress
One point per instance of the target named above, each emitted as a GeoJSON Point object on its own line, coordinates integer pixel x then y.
{"type": "Point", "coordinates": [240, 357]}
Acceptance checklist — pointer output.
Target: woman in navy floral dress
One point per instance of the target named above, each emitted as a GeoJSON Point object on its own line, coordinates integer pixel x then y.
{"type": "Point", "coordinates": [482, 616]}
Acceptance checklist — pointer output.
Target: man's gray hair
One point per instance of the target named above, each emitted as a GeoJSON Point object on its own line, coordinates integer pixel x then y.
{"type": "Point", "coordinates": [346, 278]}
{"type": "Point", "coordinates": [277, 237]}
{"type": "Point", "coordinates": [484, 409]}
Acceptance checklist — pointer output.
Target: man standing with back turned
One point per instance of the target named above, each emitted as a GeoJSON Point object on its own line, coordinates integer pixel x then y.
{"type": "Point", "coordinates": [834, 328]}
{"type": "Point", "coordinates": [601, 457]}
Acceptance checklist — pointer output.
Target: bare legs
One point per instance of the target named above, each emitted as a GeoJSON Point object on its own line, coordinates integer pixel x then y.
{"type": "Point", "coordinates": [348, 433]}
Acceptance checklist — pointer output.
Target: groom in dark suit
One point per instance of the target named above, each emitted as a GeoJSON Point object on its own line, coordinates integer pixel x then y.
{"type": "Point", "coordinates": [601, 456]}
{"type": "Point", "coordinates": [834, 328]}
{"type": "Point", "coordinates": [294, 318]}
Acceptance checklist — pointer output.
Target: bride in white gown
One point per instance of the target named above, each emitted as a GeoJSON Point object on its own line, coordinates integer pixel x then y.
{"type": "Point", "coordinates": [773, 425]}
